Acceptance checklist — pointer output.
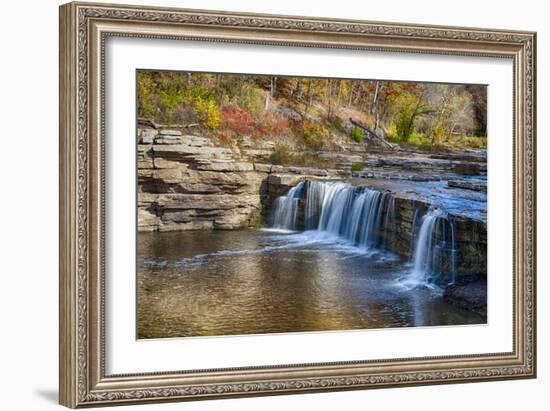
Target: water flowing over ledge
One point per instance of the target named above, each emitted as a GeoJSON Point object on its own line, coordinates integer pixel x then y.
{"type": "Point", "coordinates": [367, 218]}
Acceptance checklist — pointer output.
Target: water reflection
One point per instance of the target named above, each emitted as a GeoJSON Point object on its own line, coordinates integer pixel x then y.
{"type": "Point", "coordinates": [207, 283]}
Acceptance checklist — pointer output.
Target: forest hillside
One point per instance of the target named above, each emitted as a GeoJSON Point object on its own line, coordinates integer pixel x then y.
{"type": "Point", "coordinates": [314, 114]}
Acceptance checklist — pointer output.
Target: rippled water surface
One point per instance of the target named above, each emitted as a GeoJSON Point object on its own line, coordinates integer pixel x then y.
{"type": "Point", "coordinates": [207, 283]}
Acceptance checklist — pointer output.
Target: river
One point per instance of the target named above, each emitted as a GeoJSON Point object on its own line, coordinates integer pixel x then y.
{"type": "Point", "coordinates": [212, 283]}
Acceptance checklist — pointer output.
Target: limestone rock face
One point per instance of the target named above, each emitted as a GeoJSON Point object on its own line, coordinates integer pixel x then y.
{"type": "Point", "coordinates": [185, 182]}
{"type": "Point", "coordinates": [146, 135]}
{"type": "Point", "coordinates": [470, 236]}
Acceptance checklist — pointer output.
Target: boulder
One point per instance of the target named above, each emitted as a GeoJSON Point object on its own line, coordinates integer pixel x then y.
{"type": "Point", "coordinates": [277, 169]}
{"type": "Point", "coordinates": [469, 294]}
{"type": "Point", "coordinates": [318, 172]}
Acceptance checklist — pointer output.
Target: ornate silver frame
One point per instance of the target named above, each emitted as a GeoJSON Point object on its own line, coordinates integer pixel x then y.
{"type": "Point", "coordinates": [83, 30]}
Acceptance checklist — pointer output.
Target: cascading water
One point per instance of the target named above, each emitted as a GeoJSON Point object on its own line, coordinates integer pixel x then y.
{"type": "Point", "coordinates": [389, 222]}
{"type": "Point", "coordinates": [436, 241]}
{"type": "Point", "coordinates": [286, 209]}
{"type": "Point", "coordinates": [366, 218]}
{"type": "Point", "coordinates": [360, 215]}
{"type": "Point", "coordinates": [413, 232]}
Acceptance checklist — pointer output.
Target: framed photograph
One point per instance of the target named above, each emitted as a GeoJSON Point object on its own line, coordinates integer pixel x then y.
{"type": "Point", "coordinates": [260, 204]}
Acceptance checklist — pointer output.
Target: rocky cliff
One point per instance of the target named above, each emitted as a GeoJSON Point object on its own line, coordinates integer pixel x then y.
{"type": "Point", "coordinates": [185, 182]}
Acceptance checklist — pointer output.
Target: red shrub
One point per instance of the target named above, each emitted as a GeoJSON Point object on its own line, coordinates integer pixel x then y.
{"type": "Point", "coordinates": [239, 121]}
{"type": "Point", "coordinates": [276, 125]}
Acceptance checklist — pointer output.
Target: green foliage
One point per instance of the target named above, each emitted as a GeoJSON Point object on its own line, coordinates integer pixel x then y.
{"type": "Point", "coordinates": [466, 142]}
{"type": "Point", "coordinates": [356, 167]}
{"type": "Point", "coordinates": [357, 134]}
{"type": "Point", "coordinates": [147, 106]}
{"type": "Point", "coordinates": [203, 103]}
{"type": "Point", "coordinates": [250, 97]}
{"type": "Point", "coordinates": [425, 142]}
{"type": "Point", "coordinates": [167, 98]}
{"type": "Point", "coordinates": [405, 116]}
{"type": "Point", "coordinates": [418, 140]}
{"type": "Point", "coordinates": [440, 133]}
{"type": "Point", "coordinates": [315, 135]}
{"type": "Point", "coordinates": [474, 141]}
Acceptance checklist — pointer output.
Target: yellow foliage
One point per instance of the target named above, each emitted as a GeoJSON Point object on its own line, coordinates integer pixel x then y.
{"type": "Point", "coordinates": [315, 135]}
{"type": "Point", "coordinates": [207, 111]}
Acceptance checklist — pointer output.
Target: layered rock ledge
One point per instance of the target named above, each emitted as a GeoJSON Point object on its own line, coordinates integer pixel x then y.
{"type": "Point", "coordinates": [185, 182]}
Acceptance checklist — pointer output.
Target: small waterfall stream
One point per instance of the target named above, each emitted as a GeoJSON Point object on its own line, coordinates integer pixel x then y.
{"type": "Point", "coordinates": [366, 218]}
{"type": "Point", "coordinates": [435, 242]}
{"type": "Point", "coordinates": [286, 209]}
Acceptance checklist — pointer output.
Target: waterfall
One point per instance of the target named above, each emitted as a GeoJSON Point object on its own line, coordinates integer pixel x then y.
{"type": "Point", "coordinates": [389, 222]}
{"type": "Point", "coordinates": [367, 218]}
{"type": "Point", "coordinates": [436, 240]}
{"type": "Point", "coordinates": [360, 215]}
{"type": "Point", "coordinates": [286, 208]}
{"type": "Point", "coordinates": [413, 233]}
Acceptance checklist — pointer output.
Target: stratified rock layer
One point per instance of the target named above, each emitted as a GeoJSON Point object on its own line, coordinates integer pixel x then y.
{"type": "Point", "coordinates": [185, 182]}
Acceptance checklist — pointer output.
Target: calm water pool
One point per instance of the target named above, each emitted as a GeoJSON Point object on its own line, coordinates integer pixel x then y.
{"type": "Point", "coordinates": [211, 283]}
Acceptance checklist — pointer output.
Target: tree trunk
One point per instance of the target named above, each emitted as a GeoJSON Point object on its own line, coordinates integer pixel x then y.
{"type": "Point", "coordinates": [328, 99]}
{"type": "Point", "coordinates": [350, 96]}
{"type": "Point", "coordinates": [408, 130]}
{"type": "Point", "coordinates": [374, 103]}
{"type": "Point", "coordinates": [273, 86]}
{"type": "Point", "coordinates": [309, 96]}
{"type": "Point", "coordinates": [299, 88]}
